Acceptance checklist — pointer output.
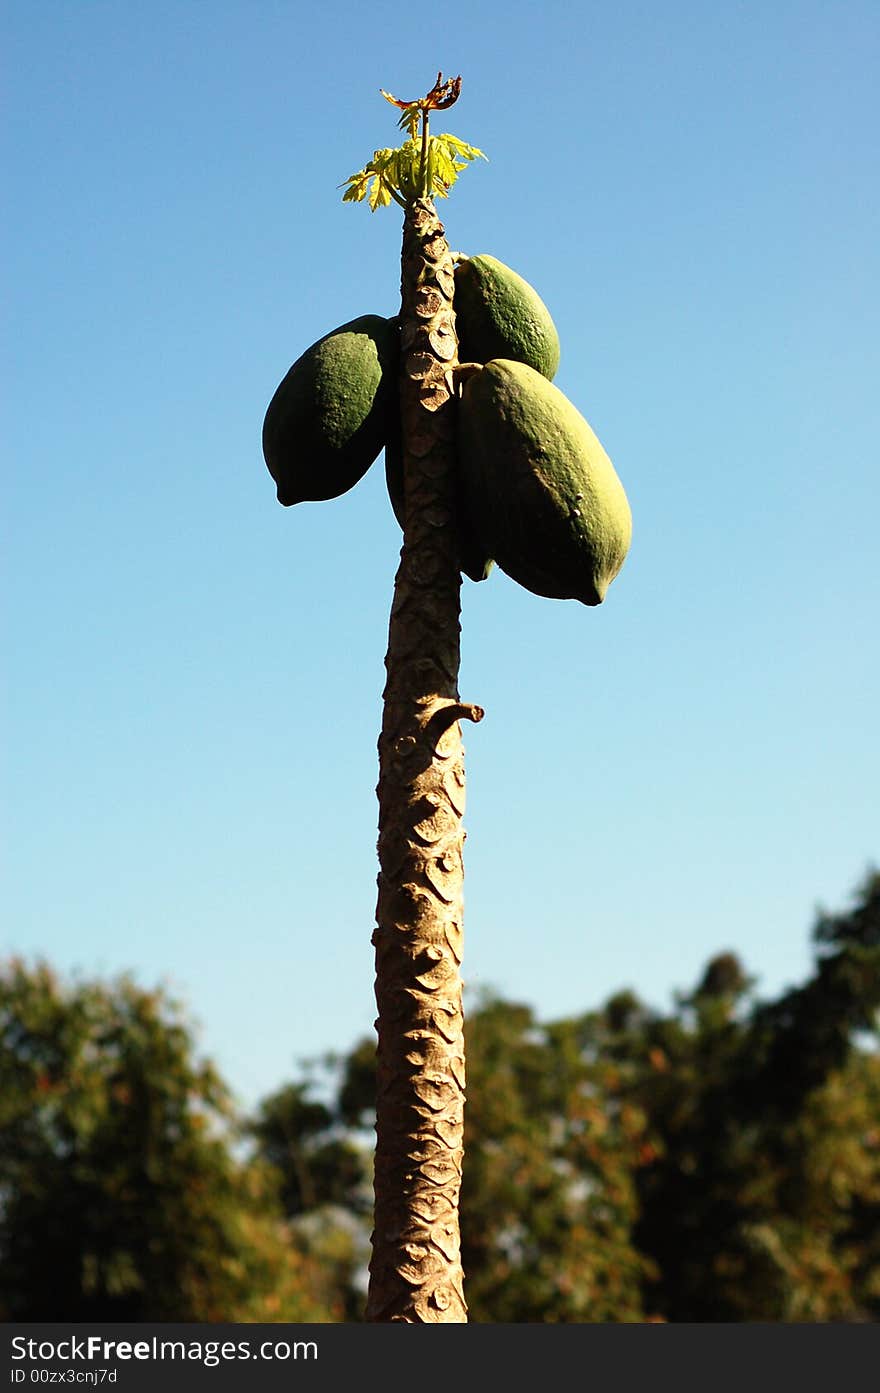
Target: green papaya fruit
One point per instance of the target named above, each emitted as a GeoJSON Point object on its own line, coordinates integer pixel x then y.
{"type": "Point", "coordinates": [472, 558]}
{"type": "Point", "coordinates": [326, 422]}
{"type": "Point", "coordinates": [540, 492]}
{"type": "Point", "coordinates": [499, 315]}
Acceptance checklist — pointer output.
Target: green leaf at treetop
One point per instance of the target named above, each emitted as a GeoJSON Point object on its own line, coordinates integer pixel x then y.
{"type": "Point", "coordinates": [409, 119]}
{"type": "Point", "coordinates": [410, 115]}
{"type": "Point", "coordinates": [380, 195]}
{"type": "Point", "coordinates": [402, 176]}
{"type": "Point", "coordinates": [470, 152]}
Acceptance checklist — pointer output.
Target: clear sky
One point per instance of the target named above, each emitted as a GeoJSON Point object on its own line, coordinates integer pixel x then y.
{"type": "Point", "coordinates": [193, 673]}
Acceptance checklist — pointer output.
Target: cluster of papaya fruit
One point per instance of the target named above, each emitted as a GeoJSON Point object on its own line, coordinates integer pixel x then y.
{"type": "Point", "coordinates": [537, 492]}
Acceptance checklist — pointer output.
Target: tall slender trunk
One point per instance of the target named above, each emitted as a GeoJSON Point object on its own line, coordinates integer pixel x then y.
{"type": "Point", "coordinates": [415, 1273]}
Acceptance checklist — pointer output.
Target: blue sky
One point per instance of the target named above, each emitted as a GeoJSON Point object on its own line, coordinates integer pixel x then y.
{"type": "Point", "coordinates": [193, 674]}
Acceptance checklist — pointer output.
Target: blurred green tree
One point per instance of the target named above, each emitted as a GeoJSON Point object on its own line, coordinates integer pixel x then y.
{"type": "Point", "coordinates": [325, 1172]}
{"type": "Point", "coordinates": [717, 1163]}
{"type": "Point", "coordinates": [549, 1198]}
{"type": "Point", "coordinates": [762, 1199]}
{"type": "Point", "coordinates": [121, 1197]}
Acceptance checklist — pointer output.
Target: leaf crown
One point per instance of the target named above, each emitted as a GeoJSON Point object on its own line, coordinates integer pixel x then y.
{"type": "Point", "coordinates": [425, 166]}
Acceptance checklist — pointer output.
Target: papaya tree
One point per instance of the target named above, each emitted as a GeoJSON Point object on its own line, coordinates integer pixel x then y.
{"type": "Point", "coordinates": [485, 461]}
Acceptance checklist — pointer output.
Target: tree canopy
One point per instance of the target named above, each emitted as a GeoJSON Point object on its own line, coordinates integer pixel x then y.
{"type": "Point", "coordinates": [120, 1194]}
{"type": "Point", "coordinates": [719, 1161]}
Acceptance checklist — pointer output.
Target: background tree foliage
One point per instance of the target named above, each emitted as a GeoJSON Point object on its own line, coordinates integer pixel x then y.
{"type": "Point", "coordinates": [763, 1202]}
{"type": "Point", "coordinates": [120, 1195]}
{"type": "Point", "coordinates": [718, 1162]}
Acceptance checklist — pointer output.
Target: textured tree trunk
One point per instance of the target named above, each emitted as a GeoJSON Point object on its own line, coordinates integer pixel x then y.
{"type": "Point", "coordinates": [415, 1273]}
